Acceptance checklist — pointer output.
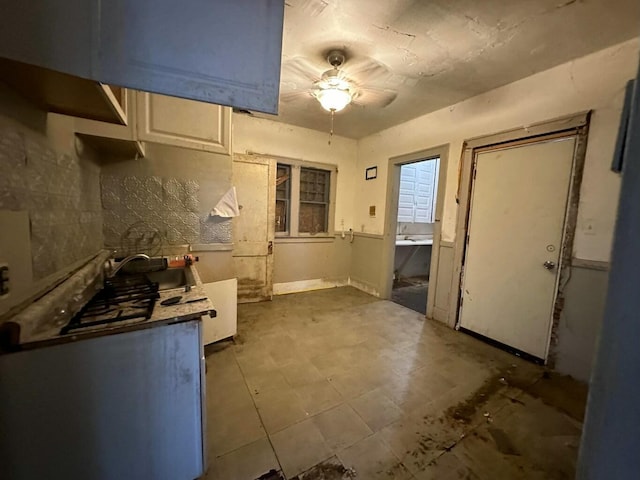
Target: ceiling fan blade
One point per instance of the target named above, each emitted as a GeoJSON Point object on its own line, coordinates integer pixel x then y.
{"type": "Point", "coordinates": [375, 97]}
{"type": "Point", "coordinates": [301, 69]}
{"type": "Point", "coordinates": [365, 70]}
{"type": "Point", "coordinates": [293, 96]}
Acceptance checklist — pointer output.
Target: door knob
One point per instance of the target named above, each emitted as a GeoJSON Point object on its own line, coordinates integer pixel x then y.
{"type": "Point", "coordinates": [549, 265]}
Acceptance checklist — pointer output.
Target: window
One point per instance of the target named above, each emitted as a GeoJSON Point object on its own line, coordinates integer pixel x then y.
{"type": "Point", "coordinates": [305, 196]}
{"type": "Point", "coordinates": [314, 200]}
{"type": "Point", "coordinates": [283, 198]}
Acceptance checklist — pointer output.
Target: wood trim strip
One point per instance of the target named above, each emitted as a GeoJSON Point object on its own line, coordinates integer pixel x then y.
{"type": "Point", "coordinates": [569, 122]}
{"type": "Point", "coordinates": [590, 264]}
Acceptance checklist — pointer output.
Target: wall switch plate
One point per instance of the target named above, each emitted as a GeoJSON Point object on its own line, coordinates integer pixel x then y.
{"type": "Point", "coordinates": [4, 279]}
{"type": "Point", "coordinates": [589, 227]}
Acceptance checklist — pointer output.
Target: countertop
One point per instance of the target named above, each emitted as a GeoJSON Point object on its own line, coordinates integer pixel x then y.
{"type": "Point", "coordinates": [40, 323]}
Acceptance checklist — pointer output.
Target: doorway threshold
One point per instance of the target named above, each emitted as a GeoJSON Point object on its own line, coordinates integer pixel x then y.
{"type": "Point", "coordinates": [505, 347]}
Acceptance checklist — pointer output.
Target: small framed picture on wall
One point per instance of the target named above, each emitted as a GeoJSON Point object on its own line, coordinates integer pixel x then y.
{"type": "Point", "coordinates": [371, 173]}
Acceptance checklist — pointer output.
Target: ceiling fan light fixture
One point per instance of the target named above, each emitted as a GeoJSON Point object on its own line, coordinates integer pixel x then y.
{"type": "Point", "coordinates": [334, 92]}
{"type": "Point", "coordinates": [334, 99]}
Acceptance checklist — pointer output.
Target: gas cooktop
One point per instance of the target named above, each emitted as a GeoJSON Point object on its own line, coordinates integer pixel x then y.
{"type": "Point", "coordinates": [128, 298]}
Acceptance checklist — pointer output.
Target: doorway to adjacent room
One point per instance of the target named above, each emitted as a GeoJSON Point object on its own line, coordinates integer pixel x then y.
{"type": "Point", "coordinates": [412, 227]}
{"type": "Point", "coordinates": [414, 233]}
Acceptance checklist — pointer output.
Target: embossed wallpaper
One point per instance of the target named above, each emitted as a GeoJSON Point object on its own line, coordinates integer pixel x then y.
{"type": "Point", "coordinates": [142, 214]}
{"type": "Point", "coordinates": [61, 193]}
{"type": "Point", "coordinates": [147, 209]}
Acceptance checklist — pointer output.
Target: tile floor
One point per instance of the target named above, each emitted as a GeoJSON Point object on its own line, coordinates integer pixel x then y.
{"type": "Point", "coordinates": [411, 293]}
{"type": "Point", "coordinates": [337, 384]}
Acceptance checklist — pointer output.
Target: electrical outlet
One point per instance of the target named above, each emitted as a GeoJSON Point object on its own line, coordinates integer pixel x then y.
{"type": "Point", "coordinates": [4, 279]}
{"type": "Point", "coordinates": [372, 210]}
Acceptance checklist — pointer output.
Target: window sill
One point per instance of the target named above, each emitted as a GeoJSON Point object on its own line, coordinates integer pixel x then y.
{"type": "Point", "coordinates": [324, 238]}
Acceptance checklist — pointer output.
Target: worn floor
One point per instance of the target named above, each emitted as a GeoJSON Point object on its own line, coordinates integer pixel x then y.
{"type": "Point", "coordinates": [337, 384]}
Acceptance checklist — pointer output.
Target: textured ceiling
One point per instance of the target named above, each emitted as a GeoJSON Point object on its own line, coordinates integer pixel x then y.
{"type": "Point", "coordinates": [436, 53]}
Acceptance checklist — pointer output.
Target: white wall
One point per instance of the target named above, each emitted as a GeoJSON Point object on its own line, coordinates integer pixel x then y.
{"type": "Point", "coordinates": [595, 82]}
{"type": "Point", "coordinates": [259, 135]}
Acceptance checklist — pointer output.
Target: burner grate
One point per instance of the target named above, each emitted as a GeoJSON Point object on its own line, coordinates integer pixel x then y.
{"type": "Point", "coordinates": [132, 297]}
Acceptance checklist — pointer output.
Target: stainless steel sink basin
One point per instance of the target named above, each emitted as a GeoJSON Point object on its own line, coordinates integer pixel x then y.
{"type": "Point", "coordinates": [171, 278]}
{"type": "Point", "coordinates": [168, 278]}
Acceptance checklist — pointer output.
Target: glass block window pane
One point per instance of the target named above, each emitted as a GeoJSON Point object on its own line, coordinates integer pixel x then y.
{"type": "Point", "coordinates": [283, 197]}
{"type": "Point", "coordinates": [314, 200]}
{"type": "Point", "coordinates": [314, 185]}
{"type": "Point", "coordinates": [313, 217]}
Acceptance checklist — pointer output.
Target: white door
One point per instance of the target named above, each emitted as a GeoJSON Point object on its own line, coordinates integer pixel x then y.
{"type": "Point", "coordinates": [254, 228]}
{"type": "Point", "coordinates": [516, 225]}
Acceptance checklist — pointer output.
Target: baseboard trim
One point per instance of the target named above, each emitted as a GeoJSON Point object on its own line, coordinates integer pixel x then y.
{"type": "Point", "coordinates": [590, 264]}
{"type": "Point", "coordinates": [307, 285]}
{"type": "Point", "coordinates": [300, 286]}
{"type": "Point", "coordinates": [364, 286]}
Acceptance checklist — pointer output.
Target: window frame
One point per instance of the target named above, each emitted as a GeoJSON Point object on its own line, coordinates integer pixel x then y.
{"type": "Point", "coordinates": [294, 199]}
{"type": "Point", "coordinates": [287, 201]}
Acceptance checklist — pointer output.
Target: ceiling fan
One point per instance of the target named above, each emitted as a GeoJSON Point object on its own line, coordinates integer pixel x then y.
{"type": "Point", "coordinates": [359, 81]}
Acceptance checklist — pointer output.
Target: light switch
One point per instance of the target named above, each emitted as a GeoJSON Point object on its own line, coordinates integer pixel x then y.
{"type": "Point", "coordinates": [589, 227]}
{"type": "Point", "coordinates": [372, 210]}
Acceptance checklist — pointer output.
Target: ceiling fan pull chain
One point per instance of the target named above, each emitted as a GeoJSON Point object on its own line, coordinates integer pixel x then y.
{"type": "Point", "coordinates": [331, 131]}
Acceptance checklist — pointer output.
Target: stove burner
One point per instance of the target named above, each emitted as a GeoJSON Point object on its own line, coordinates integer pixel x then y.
{"type": "Point", "coordinates": [123, 298]}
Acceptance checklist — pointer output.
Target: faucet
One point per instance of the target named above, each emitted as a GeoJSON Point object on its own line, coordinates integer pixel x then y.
{"type": "Point", "coordinates": [127, 260]}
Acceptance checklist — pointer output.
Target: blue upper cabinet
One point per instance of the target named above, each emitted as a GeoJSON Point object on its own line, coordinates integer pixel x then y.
{"type": "Point", "coordinates": [219, 51]}
{"type": "Point", "coordinates": [55, 34]}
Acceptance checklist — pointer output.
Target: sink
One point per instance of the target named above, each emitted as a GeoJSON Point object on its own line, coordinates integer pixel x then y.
{"type": "Point", "coordinates": [171, 278]}
{"type": "Point", "coordinates": [168, 278]}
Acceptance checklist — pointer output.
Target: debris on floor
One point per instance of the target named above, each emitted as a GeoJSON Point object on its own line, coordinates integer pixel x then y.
{"type": "Point", "coordinates": [337, 385]}
{"type": "Point", "coordinates": [271, 475]}
{"type": "Point", "coordinates": [329, 470]}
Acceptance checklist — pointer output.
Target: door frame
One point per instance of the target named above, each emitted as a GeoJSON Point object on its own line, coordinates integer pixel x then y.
{"type": "Point", "coordinates": [391, 217]}
{"type": "Point", "coordinates": [577, 126]}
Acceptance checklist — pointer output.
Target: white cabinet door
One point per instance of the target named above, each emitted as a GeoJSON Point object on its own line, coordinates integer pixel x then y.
{"type": "Point", "coordinates": [184, 123]}
{"type": "Point", "coordinates": [224, 296]}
